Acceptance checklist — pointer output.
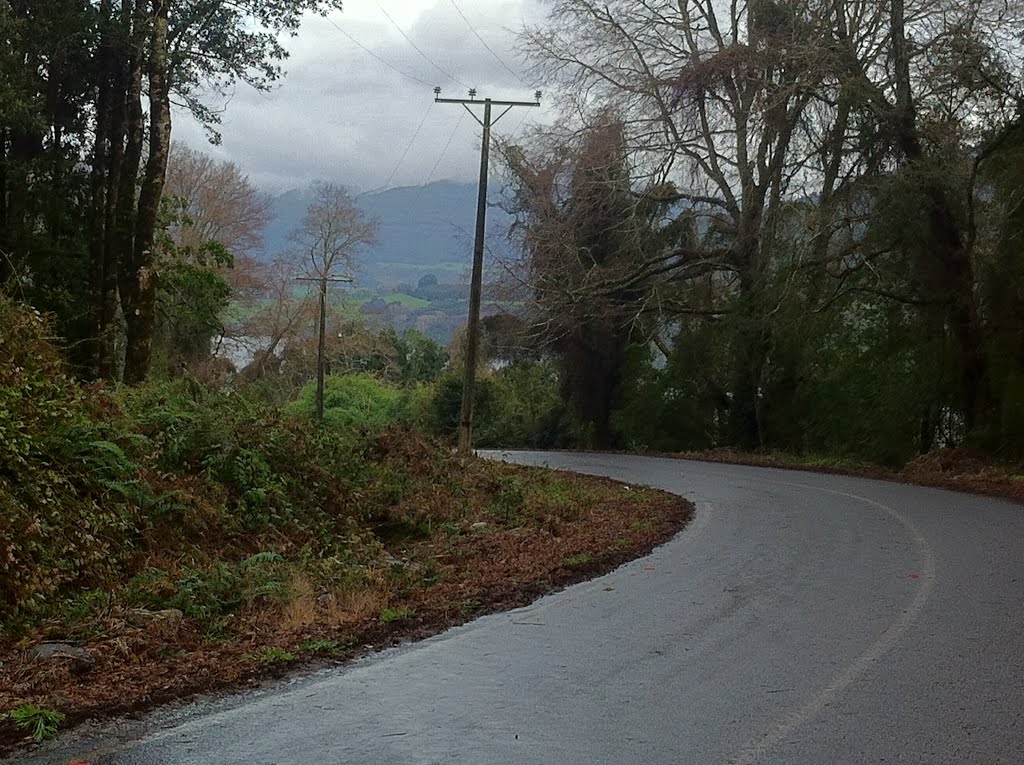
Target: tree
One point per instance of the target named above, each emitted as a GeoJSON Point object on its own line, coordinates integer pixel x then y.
{"type": "Point", "coordinates": [333, 232]}
{"type": "Point", "coordinates": [713, 97]}
{"type": "Point", "coordinates": [420, 358]}
{"type": "Point", "coordinates": [787, 130]}
{"type": "Point", "coordinates": [943, 261]}
{"type": "Point", "coordinates": [165, 49]}
{"type": "Point", "coordinates": [218, 201]}
{"type": "Point", "coordinates": [331, 235]}
{"type": "Point", "coordinates": [193, 293]}
{"type": "Point", "coordinates": [272, 315]}
{"type": "Point", "coordinates": [581, 229]}
{"type": "Point", "coordinates": [45, 70]}
{"type": "Point", "coordinates": [210, 215]}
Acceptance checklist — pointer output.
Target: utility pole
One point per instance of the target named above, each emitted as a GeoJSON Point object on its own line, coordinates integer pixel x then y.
{"type": "Point", "coordinates": [321, 350]}
{"type": "Point", "coordinates": [473, 324]}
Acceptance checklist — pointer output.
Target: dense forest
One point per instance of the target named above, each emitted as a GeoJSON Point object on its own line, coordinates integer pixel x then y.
{"type": "Point", "coordinates": [781, 224]}
{"type": "Point", "coordinates": [787, 224]}
{"type": "Point", "coordinates": [86, 101]}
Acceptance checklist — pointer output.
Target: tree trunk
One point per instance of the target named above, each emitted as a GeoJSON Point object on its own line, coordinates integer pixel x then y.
{"type": "Point", "coordinates": [953, 289]}
{"type": "Point", "coordinates": [100, 180]}
{"type": "Point", "coordinates": [123, 66]}
{"type": "Point", "coordinates": [6, 272]}
{"type": "Point", "coordinates": [138, 272]}
{"type": "Point", "coordinates": [750, 358]}
{"type": "Point", "coordinates": [944, 260]}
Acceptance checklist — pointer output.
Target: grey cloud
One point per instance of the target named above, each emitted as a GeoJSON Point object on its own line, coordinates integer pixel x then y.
{"type": "Point", "coordinates": [341, 115]}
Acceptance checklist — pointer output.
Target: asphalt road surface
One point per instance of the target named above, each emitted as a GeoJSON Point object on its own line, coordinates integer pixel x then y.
{"type": "Point", "coordinates": [799, 619]}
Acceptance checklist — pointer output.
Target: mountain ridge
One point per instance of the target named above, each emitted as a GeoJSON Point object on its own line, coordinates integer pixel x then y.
{"type": "Point", "coordinates": [422, 230]}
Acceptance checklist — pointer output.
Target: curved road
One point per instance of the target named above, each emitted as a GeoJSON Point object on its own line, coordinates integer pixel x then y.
{"type": "Point", "coordinates": [800, 619]}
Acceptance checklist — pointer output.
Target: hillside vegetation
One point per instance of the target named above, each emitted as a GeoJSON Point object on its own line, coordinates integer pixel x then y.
{"type": "Point", "coordinates": [183, 537]}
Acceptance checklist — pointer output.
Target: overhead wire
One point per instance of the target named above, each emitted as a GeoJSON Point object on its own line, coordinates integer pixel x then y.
{"type": "Point", "coordinates": [430, 176]}
{"type": "Point", "coordinates": [444, 151]}
{"type": "Point", "coordinates": [490, 50]}
{"type": "Point", "coordinates": [519, 124]}
{"type": "Point", "coordinates": [401, 159]}
{"type": "Point", "coordinates": [382, 60]}
{"type": "Point", "coordinates": [419, 127]}
{"type": "Point", "coordinates": [417, 48]}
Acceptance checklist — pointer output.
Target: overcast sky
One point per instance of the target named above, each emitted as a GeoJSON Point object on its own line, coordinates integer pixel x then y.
{"type": "Point", "coordinates": [344, 116]}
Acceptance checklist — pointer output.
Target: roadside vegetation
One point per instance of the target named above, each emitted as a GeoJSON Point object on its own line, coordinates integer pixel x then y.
{"type": "Point", "coordinates": [175, 537]}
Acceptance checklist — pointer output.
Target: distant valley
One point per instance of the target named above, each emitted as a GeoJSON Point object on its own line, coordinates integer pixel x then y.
{"type": "Point", "coordinates": [422, 230]}
{"type": "Point", "coordinates": [417, 275]}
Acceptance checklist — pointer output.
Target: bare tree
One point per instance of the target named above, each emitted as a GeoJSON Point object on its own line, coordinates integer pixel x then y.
{"type": "Point", "coordinates": [273, 315]}
{"type": "Point", "coordinates": [331, 235]}
{"type": "Point", "coordinates": [752, 110]}
{"type": "Point", "coordinates": [712, 96]}
{"type": "Point", "coordinates": [220, 202]}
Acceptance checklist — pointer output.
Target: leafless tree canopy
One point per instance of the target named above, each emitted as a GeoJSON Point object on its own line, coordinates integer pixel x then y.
{"type": "Point", "coordinates": [333, 232]}
{"type": "Point", "coordinates": [219, 200]}
{"type": "Point", "coordinates": [775, 131]}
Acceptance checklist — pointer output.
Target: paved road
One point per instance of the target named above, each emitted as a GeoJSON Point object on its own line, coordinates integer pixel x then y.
{"type": "Point", "coordinates": [799, 619]}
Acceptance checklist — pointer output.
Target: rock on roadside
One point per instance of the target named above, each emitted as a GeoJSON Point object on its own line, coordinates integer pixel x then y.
{"type": "Point", "coordinates": [80, 659]}
{"type": "Point", "coordinates": [141, 617]}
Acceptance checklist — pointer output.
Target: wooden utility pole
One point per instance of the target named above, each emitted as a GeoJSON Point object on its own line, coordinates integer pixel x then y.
{"type": "Point", "coordinates": [321, 350]}
{"type": "Point", "coordinates": [473, 324]}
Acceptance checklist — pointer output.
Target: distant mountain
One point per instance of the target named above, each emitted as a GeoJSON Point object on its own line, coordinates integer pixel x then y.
{"type": "Point", "coordinates": [423, 230]}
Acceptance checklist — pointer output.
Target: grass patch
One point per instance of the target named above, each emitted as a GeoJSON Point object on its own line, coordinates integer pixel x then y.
{"type": "Point", "coordinates": [321, 646]}
{"type": "Point", "coordinates": [389, 615]}
{"type": "Point", "coordinates": [580, 559]}
{"type": "Point", "coordinates": [406, 301]}
{"type": "Point", "coordinates": [274, 655]}
{"type": "Point", "coordinates": [38, 722]}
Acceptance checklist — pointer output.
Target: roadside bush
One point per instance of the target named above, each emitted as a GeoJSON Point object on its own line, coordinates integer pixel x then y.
{"type": "Point", "coordinates": [63, 514]}
{"type": "Point", "coordinates": [527, 410]}
{"type": "Point", "coordinates": [171, 489]}
{"type": "Point", "coordinates": [515, 406]}
{"type": "Point", "coordinates": [352, 401]}
{"type": "Point", "coordinates": [440, 415]}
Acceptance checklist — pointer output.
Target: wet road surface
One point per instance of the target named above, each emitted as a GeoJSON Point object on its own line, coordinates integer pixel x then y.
{"type": "Point", "coordinates": [799, 619]}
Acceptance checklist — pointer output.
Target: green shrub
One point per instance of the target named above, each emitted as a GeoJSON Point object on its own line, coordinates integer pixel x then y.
{"type": "Point", "coordinates": [351, 401]}
{"type": "Point", "coordinates": [389, 615]}
{"type": "Point", "coordinates": [445, 404]}
{"type": "Point", "coordinates": [527, 410]}
{"type": "Point", "coordinates": [41, 723]}
{"type": "Point", "coordinates": [93, 484]}
{"type": "Point", "coordinates": [177, 495]}
{"type": "Point", "coordinates": [63, 516]}
{"type": "Point", "coordinates": [274, 655]}
{"type": "Point", "coordinates": [321, 646]}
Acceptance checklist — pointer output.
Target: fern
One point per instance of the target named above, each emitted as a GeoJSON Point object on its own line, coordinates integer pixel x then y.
{"type": "Point", "coordinates": [41, 723]}
{"type": "Point", "coordinates": [260, 558]}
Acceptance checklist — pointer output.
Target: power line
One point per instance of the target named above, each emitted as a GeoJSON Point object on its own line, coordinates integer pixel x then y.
{"type": "Point", "coordinates": [444, 151]}
{"type": "Point", "coordinates": [430, 176]}
{"type": "Point", "coordinates": [518, 125]}
{"type": "Point", "coordinates": [408, 147]}
{"type": "Point", "coordinates": [490, 50]}
{"type": "Point", "coordinates": [429, 60]}
{"type": "Point", "coordinates": [386, 63]}
{"type": "Point", "coordinates": [401, 159]}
